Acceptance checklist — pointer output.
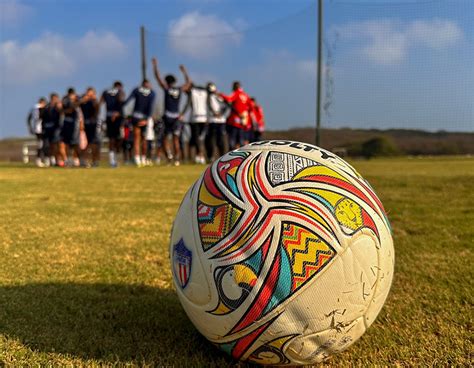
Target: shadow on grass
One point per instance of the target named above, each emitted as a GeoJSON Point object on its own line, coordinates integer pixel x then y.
{"type": "Point", "coordinates": [105, 322]}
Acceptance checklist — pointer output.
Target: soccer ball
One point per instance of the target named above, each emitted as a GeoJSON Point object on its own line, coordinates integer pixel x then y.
{"type": "Point", "coordinates": [281, 253]}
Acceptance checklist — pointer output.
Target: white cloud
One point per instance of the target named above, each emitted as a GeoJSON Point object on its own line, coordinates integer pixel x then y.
{"type": "Point", "coordinates": [202, 36]}
{"type": "Point", "coordinates": [52, 55]}
{"type": "Point", "coordinates": [437, 33]}
{"type": "Point", "coordinates": [388, 42]}
{"type": "Point", "coordinates": [98, 46]}
{"type": "Point", "coordinates": [13, 12]}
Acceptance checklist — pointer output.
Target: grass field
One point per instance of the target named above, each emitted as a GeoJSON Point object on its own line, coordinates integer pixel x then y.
{"type": "Point", "coordinates": [85, 279]}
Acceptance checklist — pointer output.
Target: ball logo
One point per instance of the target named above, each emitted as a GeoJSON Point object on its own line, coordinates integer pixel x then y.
{"type": "Point", "coordinates": [182, 259]}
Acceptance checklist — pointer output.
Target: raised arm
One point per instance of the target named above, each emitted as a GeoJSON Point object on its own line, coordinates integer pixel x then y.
{"type": "Point", "coordinates": [187, 81]}
{"type": "Point", "coordinates": [156, 71]}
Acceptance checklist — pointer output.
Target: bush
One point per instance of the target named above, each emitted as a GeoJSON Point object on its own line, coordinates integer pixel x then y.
{"type": "Point", "coordinates": [379, 146]}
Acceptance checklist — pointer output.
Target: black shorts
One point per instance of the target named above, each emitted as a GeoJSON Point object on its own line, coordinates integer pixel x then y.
{"type": "Point", "coordinates": [114, 128]}
{"type": "Point", "coordinates": [51, 134]}
{"type": "Point", "coordinates": [173, 126]}
{"type": "Point", "coordinates": [70, 133]}
{"type": "Point", "coordinates": [92, 130]}
{"type": "Point", "coordinates": [135, 122]}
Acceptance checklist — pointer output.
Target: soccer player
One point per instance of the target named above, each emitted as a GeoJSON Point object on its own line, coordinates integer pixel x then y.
{"type": "Point", "coordinates": [52, 120]}
{"type": "Point", "coordinates": [90, 110]}
{"type": "Point", "coordinates": [258, 119]}
{"type": "Point", "coordinates": [172, 116]}
{"type": "Point", "coordinates": [217, 110]}
{"type": "Point", "coordinates": [238, 119]}
{"type": "Point", "coordinates": [113, 99]}
{"type": "Point", "coordinates": [198, 118]}
{"type": "Point", "coordinates": [144, 98]}
{"type": "Point", "coordinates": [73, 124]}
{"type": "Point", "coordinates": [35, 126]}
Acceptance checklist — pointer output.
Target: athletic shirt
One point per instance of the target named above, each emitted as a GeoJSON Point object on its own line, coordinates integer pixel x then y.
{"type": "Point", "coordinates": [113, 100]}
{"type": "Point", "coordinates": [259, 117]}
{"type": "Point", "coordinates": [172, 98]}
{"type": "Point", "coordinates": [70, 116]}
{"type": "Point", "coordinates": [90, 110]}
{"type": "Point", "coordinates": [144, 99]}
{"type": "Point", "coordinates": [217, 106]}
{"type": "Point", "coordinates": [35, 119]}
{"type": "Point", "coordinates": [240, 102]}
{"type": "Point", "coordinates": [198, 100]}
{"type": "Point", "coordinates": [51, 117]}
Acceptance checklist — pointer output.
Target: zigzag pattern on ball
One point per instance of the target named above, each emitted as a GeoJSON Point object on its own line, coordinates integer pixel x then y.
{"type": "Point", "coordinates": [307, 253]}
{"type": "Point", "coordinates": [215, 222]}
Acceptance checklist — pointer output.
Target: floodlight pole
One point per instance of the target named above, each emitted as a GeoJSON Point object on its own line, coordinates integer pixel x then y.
{"type": "Point", "coordinates": [143, 51]}
{"type": "Point", "coordinates": [319, 73]}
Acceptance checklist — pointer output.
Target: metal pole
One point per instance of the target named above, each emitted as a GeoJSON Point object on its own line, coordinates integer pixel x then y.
{"type": "Point", "coordinates": [143, 51]}
{"type": "Point", "coordinates": [319, 73]}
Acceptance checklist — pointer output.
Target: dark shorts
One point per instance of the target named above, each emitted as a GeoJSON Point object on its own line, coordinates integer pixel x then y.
{"type": "Point", "coordinates": [135, 125]}
{"type": "Point", "coordinates": [173, 126]}
{"type": "Point", "coordinates": [70, 133]}
{"type": "Point", "coordinates": [92, 130]}
{"type": "Point", "coordinates": [113, 128]}
{"type": "Point", "coordinates": [51, 134]}
{"type": "Point", "coordinates": [135, 122]}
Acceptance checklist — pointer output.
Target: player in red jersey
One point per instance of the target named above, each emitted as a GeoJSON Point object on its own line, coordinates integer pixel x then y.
{"type": "Point", "coordinates": [258, 119]}
{"type": "Point", "coordinates": [239, 116]}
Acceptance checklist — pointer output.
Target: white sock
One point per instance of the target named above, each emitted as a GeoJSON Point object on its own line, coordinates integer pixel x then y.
{"type": "Point", "coordinates": [112, 157]}
{"type": "Point", "coordinates": [143, 159]}
{"type": "Point", "coordinates": [137, 159]}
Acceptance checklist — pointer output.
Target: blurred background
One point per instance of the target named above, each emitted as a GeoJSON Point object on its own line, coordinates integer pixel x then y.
{"type": "Point", "coordinates": [387, 65]}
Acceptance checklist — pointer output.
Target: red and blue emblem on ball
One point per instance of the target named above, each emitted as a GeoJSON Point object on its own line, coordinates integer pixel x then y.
{"type": "Point", "coordinates": [182, 260]}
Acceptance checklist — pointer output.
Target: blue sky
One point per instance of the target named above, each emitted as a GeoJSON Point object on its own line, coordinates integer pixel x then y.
{"type": "Point", "coordinates": [393, 64]}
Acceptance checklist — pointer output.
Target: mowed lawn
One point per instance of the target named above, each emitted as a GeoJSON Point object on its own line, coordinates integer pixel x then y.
{"type": "Point", "coordinates": [85, 277]}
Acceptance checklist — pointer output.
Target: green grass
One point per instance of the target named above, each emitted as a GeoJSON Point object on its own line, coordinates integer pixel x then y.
{"type": "Point", "coordinates": [85, 279]}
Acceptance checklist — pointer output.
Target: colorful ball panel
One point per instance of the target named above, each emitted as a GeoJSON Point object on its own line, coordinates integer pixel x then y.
{"type": "Point", "coordinates": [281, 253]}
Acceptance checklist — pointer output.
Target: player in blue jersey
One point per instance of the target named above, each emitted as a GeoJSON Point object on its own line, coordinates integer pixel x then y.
{"type": "Point", "coordinates": [144, 99]}
{"type": "Point", "coordinates": [73, 123]}
{"type": "Point", "coordinates": [52, 120]}
{"type": "Point", "coordinates": [90, 111]}
{"type": "Point", "coordinates": [113, 99]}
{"type": "Point", "coordinates": [172, 116]}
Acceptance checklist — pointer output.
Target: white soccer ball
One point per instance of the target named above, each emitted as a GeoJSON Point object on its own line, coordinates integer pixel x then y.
{"type": "Point", "coordinates": [281, 253]}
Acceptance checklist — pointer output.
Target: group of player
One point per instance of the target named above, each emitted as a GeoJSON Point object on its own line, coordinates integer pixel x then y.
{"type": "Point", "coordinates": [69, 130]}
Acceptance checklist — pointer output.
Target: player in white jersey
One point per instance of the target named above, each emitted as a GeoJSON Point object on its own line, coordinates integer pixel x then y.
{"type": "Point", "coordinates": [198, 118]}
{"type": "Point", "coordinates": [217, 116]}
{"type": "Point", "coordinates": [35, 126]}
